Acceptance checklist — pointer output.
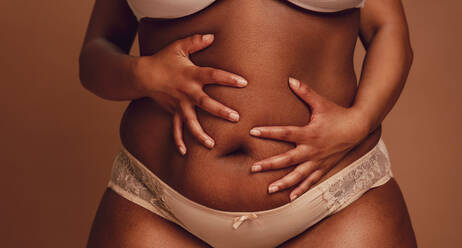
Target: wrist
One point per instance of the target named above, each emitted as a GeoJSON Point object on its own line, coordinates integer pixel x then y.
{"type": "Point", "coordinates": [363, 121]}
{"type": "Point", "coordinates": [137, 68]}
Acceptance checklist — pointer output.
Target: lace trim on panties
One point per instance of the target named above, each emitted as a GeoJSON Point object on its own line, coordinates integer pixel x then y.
{"type": "Point", "coordinates": [132, 179]}
{"type": "Point", "coordinates": [361, 178]}
{"type": "Point", "coordinates": [368, 171]}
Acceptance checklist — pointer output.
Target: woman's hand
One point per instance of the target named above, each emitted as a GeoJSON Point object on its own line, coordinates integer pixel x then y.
{"type": "Point", "coordinates": [173, 81]}
{"type": "Point", "coordinates": [332, 131]}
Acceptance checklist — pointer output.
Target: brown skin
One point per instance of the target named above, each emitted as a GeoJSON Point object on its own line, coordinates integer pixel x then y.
{"type": "Point", "coordinates": [378, 219]}
{"type": "Point", "coordinates": [334, 130]}
{"type": "Point", "coordinates": [315, 48]}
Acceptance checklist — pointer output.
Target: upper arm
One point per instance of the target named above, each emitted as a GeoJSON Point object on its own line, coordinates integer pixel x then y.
{"type": "Point", "coordinates": [114, 21]}
{"type": "Point", "coordinates": [382, 15]}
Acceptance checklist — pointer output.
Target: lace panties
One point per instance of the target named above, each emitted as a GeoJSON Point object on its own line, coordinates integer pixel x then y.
{"type": "Point", "coordinates": [268, 228]}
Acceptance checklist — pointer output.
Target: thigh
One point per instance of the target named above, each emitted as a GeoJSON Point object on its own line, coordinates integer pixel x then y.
{"type": "Point", "coordinates": [121, 223]}
{"type": "Point", "coordinates": [378, 219]}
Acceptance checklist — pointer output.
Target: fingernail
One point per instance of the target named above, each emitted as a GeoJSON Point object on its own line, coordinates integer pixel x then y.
{"type": "Point", "coordinates": [209, 143]}
{"type": "Point", "coordinates": [241, 81]}
{"type": "Point", "coordinates": [182, 150]}
{"type": "Point", "coordinates": [207, 37]}
{"type": "Point", "coordinates": [234, 116]}
{"type": "Point", "coordinates": [292, 197]}
{"type": "Point", "coordinates": [294, 82]}
{"type": "Point", "coordinates": [256, 168]}
{"type": "Point", "coordinates": [255, 132]}
{"type": "Point", "coordinates": [273, 189]}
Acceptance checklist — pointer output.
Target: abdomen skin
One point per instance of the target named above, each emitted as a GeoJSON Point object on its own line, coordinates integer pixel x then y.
{"type": "Point", "coordinates": [265, 42]}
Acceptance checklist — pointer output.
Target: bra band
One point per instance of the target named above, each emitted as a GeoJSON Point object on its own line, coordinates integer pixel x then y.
{"type": "Point", "coordinates": [179, 8]}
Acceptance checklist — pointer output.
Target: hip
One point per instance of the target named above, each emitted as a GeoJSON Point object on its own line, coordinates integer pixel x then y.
{"type": "Point", "coordinates": [132, 180]}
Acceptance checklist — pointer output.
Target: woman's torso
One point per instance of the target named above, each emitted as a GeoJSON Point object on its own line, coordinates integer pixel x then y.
{"type": "Point", "coordinates": [265, 42]}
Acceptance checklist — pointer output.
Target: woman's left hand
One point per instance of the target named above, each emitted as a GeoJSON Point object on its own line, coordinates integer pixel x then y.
{"type": "Point", "coordinates": [331, 133]}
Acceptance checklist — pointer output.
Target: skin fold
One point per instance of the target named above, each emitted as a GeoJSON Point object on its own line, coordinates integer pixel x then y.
{"type": "Point", "coordinates": [184, 87]}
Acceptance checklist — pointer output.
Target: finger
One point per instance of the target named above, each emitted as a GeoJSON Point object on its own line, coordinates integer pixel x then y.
{"type": "Point", "coordinates": [214, 107]}
{"type": "Point", "coordinates": [286, 133]}
{"type": "Point", "coordinates": [294, 177]}
{"type": "Point", "coordinates": [306, 184]}
{"type": "Point", "coordinates": [194, 126]}
{"type": "Point", "coordinates": [178, 133]}
{"type": "Point", "coordinates": [307, 94]}
{"type": "Point", "coordinates": [197, 96]}
{"type": "Point", "coordinates": [291, 157]}
{"type": "Point", "coordinates": [194, 43]}
{"type": "Point", "coordinates": [171, 105]}
{"type": "Point", "coordinates": [208, 75]}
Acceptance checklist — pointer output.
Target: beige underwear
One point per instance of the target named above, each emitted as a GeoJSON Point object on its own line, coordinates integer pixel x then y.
{"type": "Point", "coordinates": [268, 228]}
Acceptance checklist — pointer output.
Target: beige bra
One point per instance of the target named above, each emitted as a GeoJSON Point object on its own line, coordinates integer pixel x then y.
{"type": "Point", "coordinates": [180, 8]}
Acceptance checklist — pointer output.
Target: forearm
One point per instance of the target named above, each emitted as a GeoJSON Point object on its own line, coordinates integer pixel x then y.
{"type": "Point", "coordinates": [385, 69]}
{"type": "Point", "coordinates": [108, 72]}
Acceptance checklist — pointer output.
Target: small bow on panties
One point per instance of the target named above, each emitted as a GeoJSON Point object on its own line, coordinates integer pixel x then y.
{"type": "Point", "coordinates": [240, 219]}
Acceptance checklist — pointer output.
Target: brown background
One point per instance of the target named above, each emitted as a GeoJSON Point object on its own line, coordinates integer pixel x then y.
{"type": "Point", "coordinates": [58, 140]}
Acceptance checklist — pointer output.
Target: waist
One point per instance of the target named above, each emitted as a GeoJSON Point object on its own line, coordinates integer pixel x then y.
{"type": "Point", "coordinates": [219, 178]}
{"type": "Point", "coordinates": [225, 184]}
{"type": "Point", "coordinates": [266, 101]}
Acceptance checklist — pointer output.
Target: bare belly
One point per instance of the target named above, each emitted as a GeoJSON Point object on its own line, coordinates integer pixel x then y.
{"type": "Point", "coordinates": [265, 42]}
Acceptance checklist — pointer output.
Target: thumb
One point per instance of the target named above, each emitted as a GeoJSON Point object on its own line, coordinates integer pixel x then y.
{"type": "Point", "coordinates": [194, 43]}
{"type": "Point", "coordinates": [307, 94]}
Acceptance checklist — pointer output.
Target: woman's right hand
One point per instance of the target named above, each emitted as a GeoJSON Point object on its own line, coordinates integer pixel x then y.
{"type": "Point", "coordinates": [176, 83]}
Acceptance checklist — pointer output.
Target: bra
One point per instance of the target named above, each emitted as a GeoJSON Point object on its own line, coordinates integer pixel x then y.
{"type": "Point", "coordinates": [180, 8]}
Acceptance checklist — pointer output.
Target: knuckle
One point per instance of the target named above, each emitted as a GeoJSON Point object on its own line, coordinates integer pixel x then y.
{"type": "Point", "coordinates": [318, 168]}
{"type": "Point", "coordinates": [289, 159]}
{"type": "Point", "coordinates": [319, 174]}
{"type": "Point", "coordinates": [204, 137]}
{"type": "Point", "coordinates": [180, 48]}
{"type": "Point", "coordinates": [190, 123]}
{"type": "Point", "coordinates": [263, 131]}
{"type": "Point", "coordinates": [204, 74]}
{"type": "Point", "coordinates": [212, 73]}
{"type": "Point", "coordinates": [176, 123]}
{"type": "Point", "coordinates": [316, 175]}
{"type": "Point", "coordinates": [183, 106]}
{"type": "Point", "coordinates": [314, 133]}
{"type": "Point", "coordinates": [303, 88]}
{"type": "Point", "coordinates": [269, 165]}
{"type": "Point", "coordinates": [198, 74]}
{"type": "Point", "coordinates": [307, 88]}
{"type": "Point", "coordinates": [185, 89]}
{"type": "Point", "coordinates": [306, 184]}
{"type": "Point", "coordinates": [265, 166]}
{"type": "Point", "coordinates": [308, 181]}
{"type": "Point", "coordinates": [303, 149]}
{"type": "Point", "coordinates": [176, 137]}
{"type": "Point", "coordinates": [303, 187]}
{"type": "Point", "coordinates": [302, 135]}
{"type": "Point", "coordinates": [190, 73]}
{"type": "Point", "coordinates": [178, 44]}
{"type": "Point", "coordinates": [222, 111]}
{"type": "Point", "coordinates": [201, 100]}
{"type": "Point", "coordinates": [315, 152]}
{"type": "Point", "coordinates": [284, 183]}
{"type": "Point", "coordinates": [297, 174]}
{"type": "Point", "coordinates": [286, 133]}
{"type": "Point", "coordinates": [195, 39]}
